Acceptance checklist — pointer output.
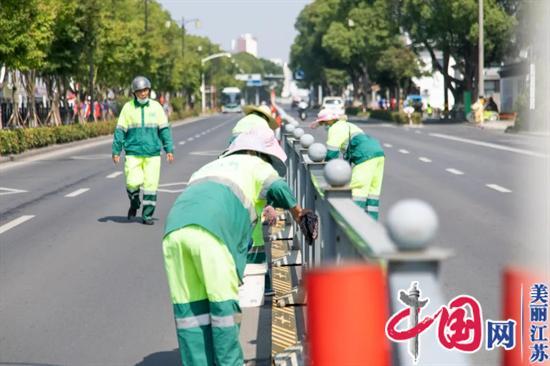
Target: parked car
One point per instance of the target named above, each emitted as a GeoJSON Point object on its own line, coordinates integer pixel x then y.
{"type": "Point", "coordinates": [333, 103]}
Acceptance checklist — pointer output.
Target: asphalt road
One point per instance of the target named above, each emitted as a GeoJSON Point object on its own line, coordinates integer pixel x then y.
{"type": "Point", "coordinates": [79, 285]}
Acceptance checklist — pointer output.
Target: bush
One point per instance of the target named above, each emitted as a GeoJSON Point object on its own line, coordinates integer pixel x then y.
{"type": "Point", "coordinates": [398, 117]}
{"type": "Point", "coordinates": [19, 140]}
{"type": "Point", "coordinates": [353, 111]}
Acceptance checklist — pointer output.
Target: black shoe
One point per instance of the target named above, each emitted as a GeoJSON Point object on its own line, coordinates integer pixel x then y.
{"type": "Point", "coordinates": [132, 212]}
{"type": "Point", "coordinates": [148, 222]}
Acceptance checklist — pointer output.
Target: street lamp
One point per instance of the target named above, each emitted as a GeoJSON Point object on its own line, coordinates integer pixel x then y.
{"type": "Point", "coordinates": [183, 23]}
{"type": "Point", "coordinates": [481, 60]}
{"type": "Point", "coordinates": [203, 61]}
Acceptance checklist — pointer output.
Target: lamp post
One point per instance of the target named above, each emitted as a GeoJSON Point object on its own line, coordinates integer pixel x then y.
{"type": "Point", "coordinates": [183, 23]}
{"type": "Point", "coordinates": [203, 61]}
{"type": "Point", "coordinates": [481, 60]}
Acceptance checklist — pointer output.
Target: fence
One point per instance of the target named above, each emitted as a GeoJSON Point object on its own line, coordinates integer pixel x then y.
{"type": "Point", "coordinates": [348, 233]}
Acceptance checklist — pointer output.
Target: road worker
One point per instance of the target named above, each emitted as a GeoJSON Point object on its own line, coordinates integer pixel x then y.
{"type": "Point", "coordinates": [142, 130]}
{"type": "Point", "coordinates": [362, 151]}
{"type": "Point", "coordinates": [255, 117]}
{"type": "Point", "coordinates": [205, 243]}
{"type": "Point", "coordinates": [261, 116]}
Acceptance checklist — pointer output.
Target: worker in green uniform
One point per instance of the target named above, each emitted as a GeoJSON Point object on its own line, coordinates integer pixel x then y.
{"type": "Point", "coordinates": [205, 243]}
{"type": "Point", "coordinates": [255, 117]}
{"type": "Point", "coordinates": [362, 151]}
{"type": "Point", "coordinates": [141, 131]}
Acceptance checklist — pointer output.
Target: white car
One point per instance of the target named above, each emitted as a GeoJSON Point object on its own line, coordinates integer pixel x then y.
{"type": "Point", "coordinates": [335, 104]}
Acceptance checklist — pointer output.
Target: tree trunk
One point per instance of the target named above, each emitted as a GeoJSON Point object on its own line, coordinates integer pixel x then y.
{"type": "Point", "coordinates": [15, 118]}
{"type": "Point", "coordinates": [446, 56]}
{"type": "Point", "coordinates": [54, 116]}
{"type": "Point", "coordinates": [365, 83]}
{"type": "Point", "coordinates": [29, 82]}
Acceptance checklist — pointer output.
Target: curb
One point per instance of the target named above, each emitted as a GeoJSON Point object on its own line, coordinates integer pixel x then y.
{"type": "Point", "coordinates": [84, 144]}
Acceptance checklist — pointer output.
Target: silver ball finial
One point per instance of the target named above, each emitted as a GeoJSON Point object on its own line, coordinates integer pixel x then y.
{"type": "Point", "coordinates": [337, 172]}
{"type": "Point", "coordinates": [412, 224]}
{"type": "Point", "coordinates": [298, 132]}
{"type": "Point", "coordinates": [289, 128]}
{"type": "Point", "coordinates": [317, 152]}
{"type": "Point", "coordinates": [306, 140]}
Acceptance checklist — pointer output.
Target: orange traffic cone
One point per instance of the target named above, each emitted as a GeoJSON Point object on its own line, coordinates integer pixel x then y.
{"type": "Point", "coordinates": [346, 314]}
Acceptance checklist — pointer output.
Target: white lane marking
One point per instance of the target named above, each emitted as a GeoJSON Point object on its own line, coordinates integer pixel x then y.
{"type": "Point", "coordinates": [496, 187]}
{"type": "Point", "coordinates": [160, 189]}
{"type": "Point", "coordinates": [114, 175]}
{"type": "Point", "coordinates": [182, 143]}
{"type": "Point", "coordinates": [454, 171]}
{"type": "Point", "coordinates": [10, 191]}
{"type": "Point", "coordinates": [207, 153]}
{"type": "Point", "coordinates": [190, 139]}
{"type": "Point", "coordinates": [426, 160]}
{"type": "Point", "coordinates": [388, 145]}
{"type": "Point", "coordinates": [403, 151]}
{"type": "Point", "coordinates": [489, 144]}
{"type": "Point", "coordinates": [14, 223]}
{"type": "Point", "coordinates": [197, 136]}
{"type": "Point", "coordinates": [418, 132]}
{"type": "Point", "coordinates": [77, 192]}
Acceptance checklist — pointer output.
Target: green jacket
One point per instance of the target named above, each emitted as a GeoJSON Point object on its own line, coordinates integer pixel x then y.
{"type": "Point", "coordinates": [348, 139]}
{"type": "Point", "coordinates": [142, 130]}
{"type": "Point", "coordinates": [227, 197]}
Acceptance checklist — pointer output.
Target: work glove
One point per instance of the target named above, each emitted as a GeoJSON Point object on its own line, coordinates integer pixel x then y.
{"type": "Point", "coordinates": [309, 225]}
{"type": "Point", "coordinates": [270, 215]}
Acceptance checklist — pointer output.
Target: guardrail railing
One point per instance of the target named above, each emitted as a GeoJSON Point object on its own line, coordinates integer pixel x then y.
{"type": "Point", "coordinates": [348, 233]}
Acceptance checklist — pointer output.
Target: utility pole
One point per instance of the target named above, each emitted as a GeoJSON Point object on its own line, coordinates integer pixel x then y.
{"type": "Point", "coordinates": [481, 60]}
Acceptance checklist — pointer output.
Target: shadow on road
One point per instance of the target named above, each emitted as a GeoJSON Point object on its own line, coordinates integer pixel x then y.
{"type": "Point", "coordinates": [165, 358]}
{"type": "Point", "coordinates": [118, 219]}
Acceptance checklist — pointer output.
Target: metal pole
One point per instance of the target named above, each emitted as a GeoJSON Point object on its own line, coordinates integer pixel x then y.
{"type": "Point", "coordinates": [203, 93]}
{"type": "Point", "coordinates": [481, 59]}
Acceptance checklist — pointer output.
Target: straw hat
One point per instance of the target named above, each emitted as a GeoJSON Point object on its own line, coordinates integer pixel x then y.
{"type": "Point", "coordinates": [263, 109]}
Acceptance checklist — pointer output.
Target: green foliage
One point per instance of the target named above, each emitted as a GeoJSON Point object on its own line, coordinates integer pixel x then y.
{"type": "Point", "coordinates": [17, 141]}
{"type": "Point", "coordinates": [398, 117]}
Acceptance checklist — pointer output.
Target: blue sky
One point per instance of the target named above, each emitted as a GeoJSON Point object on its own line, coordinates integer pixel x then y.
{"type": "Point", "coordinates": [270, 21]}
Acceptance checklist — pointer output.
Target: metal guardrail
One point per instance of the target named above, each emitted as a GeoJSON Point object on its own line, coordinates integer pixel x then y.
{"type": "Point", "coordinates": [348, 233]}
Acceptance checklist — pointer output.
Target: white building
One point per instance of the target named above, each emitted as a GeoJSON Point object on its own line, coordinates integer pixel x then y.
{"type": "Point", "coordinates": [245, 43]}
{"type": "Point", "coordinates": [431, 85]}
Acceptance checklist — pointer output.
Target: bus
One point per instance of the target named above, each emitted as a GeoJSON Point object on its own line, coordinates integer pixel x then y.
{"type": "Point", "coordinates": [231, 100]}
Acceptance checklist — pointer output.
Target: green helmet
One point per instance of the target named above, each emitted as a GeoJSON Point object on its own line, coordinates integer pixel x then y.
{"type": "Point", "coordinates": [140, 82]}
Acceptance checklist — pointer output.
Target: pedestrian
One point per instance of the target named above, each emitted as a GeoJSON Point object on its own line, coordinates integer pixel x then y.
{"type": "Point", "coordinates": [362, 151]}
{"type": "Point", "coordinates": [254, 117]}
{"type": "Point", "coordinates": [142, 130]}
{"type": "Point", "coordinates": [205, 243]}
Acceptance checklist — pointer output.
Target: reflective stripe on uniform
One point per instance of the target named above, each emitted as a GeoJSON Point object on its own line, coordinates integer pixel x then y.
{"type": "Point", "coordinates": [374, 197]}
{"type": "Point", "coordinates": [151, 193]}
{"type": "Point", "coordinates": [372, 208]}
{"type": "Point", "coordinates": [192, 321]}
{"type": "Point", "coordinates": [333, 148]}
{"type": "Point", "coordinates": [267, 184]}
{"type": "Point", "coordinates": [359, 198]}
{"type": "Point", "coordinates": [237, 191]}
{"type": "Point", "coordinates": [223, 321]}
{"type": "Point", "coordinates": [150, 203]}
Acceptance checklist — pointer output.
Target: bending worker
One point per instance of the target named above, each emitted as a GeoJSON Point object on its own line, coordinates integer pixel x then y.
{"type": "Point", "coordinates": [141, 130]}
{"type": "Point", "coordinates": [363, 152]}
{"type": "Point", "coordinates": [205, 243]}
{"type": "Point", "coordinates": [255, 117]}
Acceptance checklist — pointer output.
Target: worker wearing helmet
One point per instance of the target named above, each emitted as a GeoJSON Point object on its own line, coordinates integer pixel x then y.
{"type": "Point", "coordinates": [255, 117]}
{"type": "Point", "coordinates": [142, 130]}
{"type": "Point", "coordinates": [205, 243]}
{"type": "Point", "coordinates": [362, 151]}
